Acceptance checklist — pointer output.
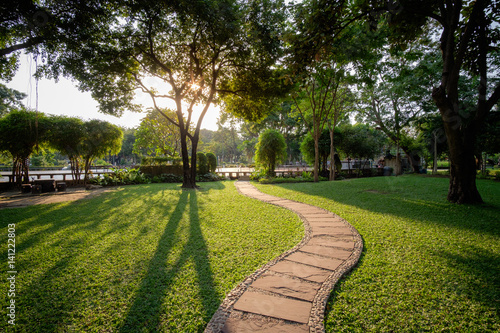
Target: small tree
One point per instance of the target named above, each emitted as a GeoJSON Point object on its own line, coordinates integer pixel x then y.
{"type": "Point", "coordinates": [21, 131]}
{"type": "Point", "coordinates": [326, 148]}
{"type": "Point", "coordinates": [362, 142]}
{"type": "Point", "coordinates": [66, 135]}
{"type": "Point", "coordinates": [212, 162]}
{"type": "Point", "coordinates": [100, 139]}
{"type": "Point", "coordinates": [271, 150]}
{"type": "Point", "coordinates": [308, 150]}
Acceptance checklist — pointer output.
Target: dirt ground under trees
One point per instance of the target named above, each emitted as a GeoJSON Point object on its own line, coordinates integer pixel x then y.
{"type": "Point", "coordinates": [12, 199]}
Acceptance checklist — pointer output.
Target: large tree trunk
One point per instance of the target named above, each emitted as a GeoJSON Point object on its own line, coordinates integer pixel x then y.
{"type": "Point", "coordinates": [463, 188]}
{"type": "Point", "coordinates": [188, 174]}
{"type": "Point", "coordinates": [194, 148]}
{"type": "Point", "coordinates": [461, 137]}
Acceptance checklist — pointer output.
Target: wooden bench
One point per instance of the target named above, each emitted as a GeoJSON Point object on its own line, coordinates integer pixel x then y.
{"type": "Point", "coordinates": [48, 185]}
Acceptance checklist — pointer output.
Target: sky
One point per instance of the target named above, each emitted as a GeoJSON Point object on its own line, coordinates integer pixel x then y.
{"type": "Point", "coordinates": [64, 98]}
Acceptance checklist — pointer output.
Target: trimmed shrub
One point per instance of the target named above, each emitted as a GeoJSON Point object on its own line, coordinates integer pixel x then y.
{"type": "Point", "coordinates": [202, 164]}
{"type": "Point", "coordinates": [212, 162]}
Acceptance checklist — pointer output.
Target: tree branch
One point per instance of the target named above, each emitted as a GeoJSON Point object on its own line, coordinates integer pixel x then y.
{"type": "Point", "coordinates": [28, 43]}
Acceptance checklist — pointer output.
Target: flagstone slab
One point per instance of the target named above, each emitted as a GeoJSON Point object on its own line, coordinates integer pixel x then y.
{"type": "Point", "coordinates": [318, 232]}
{"type": "Point", "coordinates": [326, 224]}
{"type": "Point", "coordinates": [329, 219]}
{"type": "Point", "coordinates": [273, 306]}
{"type": "Point", "coordinates": [314, 216]}
{"type": "Point", "coordinates": [314, 260]}
{"type": "Point", "coordinates": [287, 286]}
{"type": "Point", "coordinates": [326, 251]}
{"type": "Point", "coordinates": [302, 271]}
{"type": "Point", "coordinates": [332, 241]}
{"type": "Point", "coordinates": [255, 325]}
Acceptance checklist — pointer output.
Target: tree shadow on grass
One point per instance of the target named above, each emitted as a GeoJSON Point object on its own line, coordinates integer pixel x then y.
{"type": "Point", "coordinates": [475, 267]}
{"type": "Point", "coordinates": [146, 312]}
{"type": "Point", "coordinates": [386, 196]}
{"type": "Point", "coordinates": [53, 299]}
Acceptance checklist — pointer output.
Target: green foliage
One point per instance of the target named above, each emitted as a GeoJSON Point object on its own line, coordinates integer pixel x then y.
{"type": "Point", "coordinates": [271, 150]}
{"type": "Point", "coordinates": [212, 162]}
{"type": "Point", "coordinates": [201, 52]}
{"type": "Point", "coordinates": [209, 177]}
{"type": "Point", "coordinates": [147, 160]}
{"type": "Point", "coordinates": [307, 147]}
{"type": "Point", "coordinates": [10, 99]}
{"type": "Point", "coordinates": [157, 136]}
{"type": "Point", "coordinates": [66, 135]}
{"type": "Point", "coordinates": [21, 133]}
{"type": "Point", "coordinates": [258, 174]}
{"type": "Point", "coordinates": [121, 177]}
{"type": "Point", "coordinates": [100, 138]}
{"type": "Point", "coordinates": [360, 141]}
{"type": "Point", "coordinates": [126, 154]}
{"type": "Point", "coordinates": [202, 161]}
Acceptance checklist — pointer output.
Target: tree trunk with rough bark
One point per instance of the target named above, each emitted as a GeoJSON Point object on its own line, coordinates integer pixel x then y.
{"type": "Point", "coordinates": [332, 155]}
{"type": "Point", "coordinates": [461, 136]}
{"type": "Point", "coordinates": [316, 158]}
{"type": "Point", "coordinates": [188, 174]}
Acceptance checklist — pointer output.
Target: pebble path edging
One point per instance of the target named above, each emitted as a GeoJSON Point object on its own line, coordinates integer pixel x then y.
{"type": "Point", "coordinates": [330, 248]}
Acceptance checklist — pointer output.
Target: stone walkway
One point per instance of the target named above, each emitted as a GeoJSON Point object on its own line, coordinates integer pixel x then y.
{"type": "Point", "coordinates": [289, 294]}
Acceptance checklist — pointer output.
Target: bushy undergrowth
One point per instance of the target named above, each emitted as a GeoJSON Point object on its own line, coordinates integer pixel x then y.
{"type": "Point", "coordinates": [134, 176]}
{"type": "Point", "coordinates": [262, 177]}
{"type": "Point", "coordinates": [121, 177]}
{"type": "Point", "coordinates": [209, 177]}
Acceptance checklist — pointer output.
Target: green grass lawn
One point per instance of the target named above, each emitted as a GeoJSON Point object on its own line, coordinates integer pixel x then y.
{"type": "Point", "coordinates": [427, 265]}
{"type": "Point", "coordinates": [144, 258]}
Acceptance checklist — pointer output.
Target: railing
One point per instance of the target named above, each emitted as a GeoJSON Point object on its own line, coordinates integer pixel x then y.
{"type": "Point", "coordinates": [58, 176]}
{"type": "Point", "coordinates": [233, 173]}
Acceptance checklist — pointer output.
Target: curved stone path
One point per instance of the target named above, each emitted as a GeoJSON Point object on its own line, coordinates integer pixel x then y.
{"type": "Point", "coordinates": [289, 294]}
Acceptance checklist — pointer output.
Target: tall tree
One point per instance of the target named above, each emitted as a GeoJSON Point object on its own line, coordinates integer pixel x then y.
{"type": "Point", "coordinates": [199, 51]}
{"type": "Point", "coordinates": [317, 93]}
{"type": "Point", "coordinates": [469, 38]}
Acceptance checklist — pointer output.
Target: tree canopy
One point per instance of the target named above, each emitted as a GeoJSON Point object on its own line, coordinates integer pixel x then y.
{"type": "Point", "coordinates": [21, 133]}
{"type": "Point", "coordinates": [271, 150]}
{"type": "Point", "coordinates": [199, 54]}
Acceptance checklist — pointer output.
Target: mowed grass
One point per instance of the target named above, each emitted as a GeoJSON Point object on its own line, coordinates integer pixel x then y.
{"type": "Point", "coordinates": [427, 265]}
{"type": "Point", "coordinates": [148, 258]}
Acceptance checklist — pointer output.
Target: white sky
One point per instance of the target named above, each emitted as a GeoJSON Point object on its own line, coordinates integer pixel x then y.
{"type": "Point", "coordinates": [64, 98]}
